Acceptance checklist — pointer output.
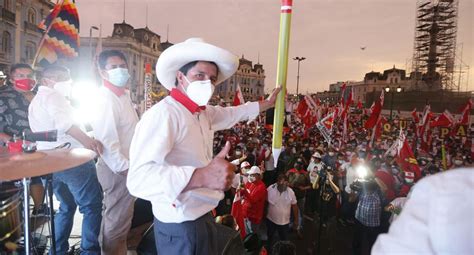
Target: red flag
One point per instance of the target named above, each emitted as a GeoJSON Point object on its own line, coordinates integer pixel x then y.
{"type": "Point", "coordinates": [302, 108]}
{"type": "Point", "coordinates": [416, 119]}
{"type": "Point", "coordinates": [464, 120]}
{"type": "Point", "coordinates": [318, 102]}
{"type": "Point", "coordinates": [238, 98]}
{"type": "Point", "coordinates": [446, 119]}
{"type": "Point", "coordinates": [237, 211]}
{"type": "Point", "coordinates": [423, 126]}
{"type": "Point", "coordinates": [374, 116]}
{"type": "Point", "coordinates": [376, 110]}
{"type": "Point", "coordinates": [382, 97]}
{"type": "Point", "coordinates": [343, 92]}
{"type": "Point", "coordinates": [349, 98]}
{"type": "Point", "coordinates": [325, 126]}
{"type": "Point", "coordinates": [405, 157]}
{"type": "Point", "coordinates": [359, 105]}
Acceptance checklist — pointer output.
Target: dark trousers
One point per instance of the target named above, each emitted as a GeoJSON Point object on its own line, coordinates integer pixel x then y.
{"type": "Point", "coordinates": [198, 237]}
{"type": "Point", "coordinates": [348, 208]}
{"type": "Point", "coordinates": [363, 234]}
{"type": "Point", "coordinates": [282, 230]}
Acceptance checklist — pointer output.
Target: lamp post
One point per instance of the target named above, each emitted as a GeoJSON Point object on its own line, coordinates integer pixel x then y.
{"type": "Point", "coordinates": [90, 41]}
{"type": "Point", "coordinates": [398, 90]}
{"type": "Point", "coordinates": [299, 59]}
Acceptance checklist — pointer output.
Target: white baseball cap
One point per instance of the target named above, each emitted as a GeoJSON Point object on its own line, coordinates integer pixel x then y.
{"type": "Point", "coordinates": [254, 170]}
{"type": "Point", "coordinates": [244, 164]}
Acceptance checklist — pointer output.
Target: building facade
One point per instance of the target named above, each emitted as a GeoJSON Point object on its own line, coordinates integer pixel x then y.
{"type": "Point", "coordinates": [140, 46]}
{"type": "Point", "coordinates": [250, 78]}
{"type": "Point", "coordinates": [373, 82]}
{"type": "Point", "coordinates": [19, 32]}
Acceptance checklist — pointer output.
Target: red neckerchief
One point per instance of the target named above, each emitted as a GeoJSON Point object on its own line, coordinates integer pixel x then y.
{"type": "Point", "coordinates": [116, 90]}
{"type": "Point", "coordinates": [186, 102]}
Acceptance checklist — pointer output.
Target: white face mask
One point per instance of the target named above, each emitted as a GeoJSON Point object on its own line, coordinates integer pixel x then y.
{"type": "Point", "coordinates": [252, 178]}
{"type": "Point", "coordinates": [199, 91]}
{"type": "Point", "coordinates": [118, 76]}
{"type": "Point", "coordinates": [64, 88]}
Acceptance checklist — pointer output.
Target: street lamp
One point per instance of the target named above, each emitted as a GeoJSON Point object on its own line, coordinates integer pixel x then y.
{"type": "Point", "coordinates": [398, 90]}
{"type": "Point", "coordinates": [299, 59]}
{"type": "Point", "coordinates": [90, 41]}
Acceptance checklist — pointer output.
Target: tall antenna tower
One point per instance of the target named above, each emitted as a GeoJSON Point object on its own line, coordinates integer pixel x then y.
{"type": "Point", "coordinates": [435, 43]}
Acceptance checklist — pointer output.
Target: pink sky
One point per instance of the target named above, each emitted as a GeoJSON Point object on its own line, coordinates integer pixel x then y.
{"type": "Point", "coordinates": [328, 33]}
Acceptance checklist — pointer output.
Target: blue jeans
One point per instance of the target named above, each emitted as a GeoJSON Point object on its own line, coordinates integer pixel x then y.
{"type": "Point", "coordinates": [73, 187]}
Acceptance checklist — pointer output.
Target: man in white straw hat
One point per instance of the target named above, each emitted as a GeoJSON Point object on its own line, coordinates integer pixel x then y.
{"type": "Point", "coordinates": [171, 161]}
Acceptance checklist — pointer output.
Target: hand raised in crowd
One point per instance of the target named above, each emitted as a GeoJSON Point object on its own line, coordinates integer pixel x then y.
{"type": "Point", "coordinates": [330, 177]}
{"type": "Point", "coordinates": [217, 175]}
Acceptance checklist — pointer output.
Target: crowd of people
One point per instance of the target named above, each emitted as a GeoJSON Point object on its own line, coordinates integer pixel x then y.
{"type": "Point", "coordinates": [183, 153]}
{"type": "Point", "coordinates": [348, 182]}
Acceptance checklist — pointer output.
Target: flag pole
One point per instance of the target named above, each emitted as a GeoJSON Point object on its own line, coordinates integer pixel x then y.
{"type": "Point", "coordinates": [282, 67]}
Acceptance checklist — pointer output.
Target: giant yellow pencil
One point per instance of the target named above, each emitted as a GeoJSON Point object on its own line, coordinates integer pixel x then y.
{"type": "Point", "coordinates": [283, 45]}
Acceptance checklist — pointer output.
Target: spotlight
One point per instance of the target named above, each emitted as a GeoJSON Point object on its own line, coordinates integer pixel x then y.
{"type": "Point", "coordinates": [362, 171]}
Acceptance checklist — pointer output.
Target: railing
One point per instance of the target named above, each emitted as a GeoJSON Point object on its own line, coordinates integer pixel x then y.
{"type": "Point", "coordinates": [8, 15]}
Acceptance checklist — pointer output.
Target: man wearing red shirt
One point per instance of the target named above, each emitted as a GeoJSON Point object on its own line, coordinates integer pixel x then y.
{"type": "Point", "coordinates": [255, 195]}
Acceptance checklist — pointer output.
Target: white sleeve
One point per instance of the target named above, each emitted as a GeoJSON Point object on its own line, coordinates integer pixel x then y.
{"type": "Point", "coordinates": [105, 130]}
{"type": "Point", "coordinates": [350, 177]}
{"type": "Point", "coordinates": [149, 177]}
{"type": "Point", "coordinates": [437, 218]}
{"type": "Point", "coordinates": [235, 181]}
{"type": "Point", "coordinates": [226, 117]}
{"type": "Point", "coordinates": [271, 194]}
{"type": "Point", "coordinates": [409, 233]}
{"type": "Point", "coordinates": [60, 111]}
{"type": "Point", "coordinates": [292, 196]}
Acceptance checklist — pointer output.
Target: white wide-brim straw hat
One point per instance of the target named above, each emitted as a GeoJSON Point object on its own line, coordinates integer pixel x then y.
{"type": "Point", "coordinates": [194, 49]}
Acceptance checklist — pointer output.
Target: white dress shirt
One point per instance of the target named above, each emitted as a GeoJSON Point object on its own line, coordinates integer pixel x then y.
{"type": "Point", "coordinates": [49, 110]}
{"type": "Point", "coordinates": [168, 145]}
{"type": "Point", "coordinates": [279, 204]}
{"type": "Point", "coordinates": [114, 128]}
{"type": "Point", "coordinates": [438, 218]}
{"type": "Point", "coordinates": [351, 176]}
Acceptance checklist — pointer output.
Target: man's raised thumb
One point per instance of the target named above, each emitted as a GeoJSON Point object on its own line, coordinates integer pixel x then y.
{"type": "Point", "coordinates": [224, 150]}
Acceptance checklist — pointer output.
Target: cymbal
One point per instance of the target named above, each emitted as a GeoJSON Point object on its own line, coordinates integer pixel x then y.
{"type": "Point", "coordinates": [14, 166]}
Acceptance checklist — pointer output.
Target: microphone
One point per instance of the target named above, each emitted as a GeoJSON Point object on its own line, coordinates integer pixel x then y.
{"type": "Point", "coordinates": [45, 136]}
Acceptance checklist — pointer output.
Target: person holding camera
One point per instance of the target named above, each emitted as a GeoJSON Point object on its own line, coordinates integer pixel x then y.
{"type": "Point", "coordinates": [369, 210]}
{"type": "Point", "coordinates": [328, 190]}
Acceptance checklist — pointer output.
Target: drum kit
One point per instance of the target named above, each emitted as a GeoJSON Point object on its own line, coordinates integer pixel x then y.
{"type": "Point", "coordinates": [22, 166]}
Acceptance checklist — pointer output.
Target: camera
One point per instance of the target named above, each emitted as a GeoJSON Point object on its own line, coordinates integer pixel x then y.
{"type": "Point", "coordinates": [364, 182]}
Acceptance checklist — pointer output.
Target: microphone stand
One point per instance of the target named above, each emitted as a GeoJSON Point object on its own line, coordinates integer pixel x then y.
{"type": "Point", "coordinates": [49, 191]}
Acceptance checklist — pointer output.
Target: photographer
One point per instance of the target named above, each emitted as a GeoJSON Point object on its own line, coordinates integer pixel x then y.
{"type": "Point", "coordinates": [328, 190]}
{"type": "Point", "coordinates": [369, 209]}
